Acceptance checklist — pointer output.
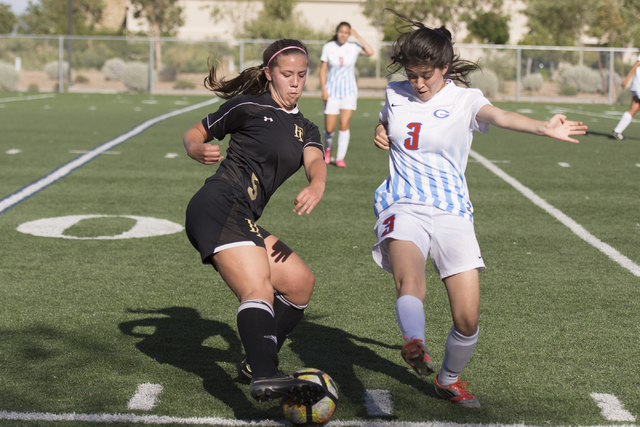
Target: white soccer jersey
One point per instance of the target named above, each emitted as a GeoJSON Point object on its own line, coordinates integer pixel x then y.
{"type": "Point", "coordinates": [430, 144]}
{"type": "Point", "coordinates": [635, 84]}
{"type": "Point", "coordinates": [341, 79]}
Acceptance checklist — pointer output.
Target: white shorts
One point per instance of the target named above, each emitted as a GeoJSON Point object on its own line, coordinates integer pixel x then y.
{"type": "Point", "coordinates": [333, 105]}
{"type": "Point", "coordinates": [449, 239]}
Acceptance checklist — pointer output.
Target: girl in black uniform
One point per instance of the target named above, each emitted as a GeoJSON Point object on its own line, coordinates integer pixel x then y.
{"type": "Point", "coordinates": [270, 141]}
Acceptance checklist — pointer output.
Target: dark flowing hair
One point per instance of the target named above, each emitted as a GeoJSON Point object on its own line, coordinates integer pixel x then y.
{"type": "Point", "coordinates": [335, 35]}
{"type": "Point", "coordinates": [253, 81]}
{"type": "Point", "coordinates": [432, 48]}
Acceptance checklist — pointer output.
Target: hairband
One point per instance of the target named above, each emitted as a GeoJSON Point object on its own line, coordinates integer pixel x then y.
{"type": "Point", "coordinates": [283, 49]}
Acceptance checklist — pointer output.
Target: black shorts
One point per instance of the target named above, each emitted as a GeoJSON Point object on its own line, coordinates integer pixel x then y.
{"type": "Point", "coordinates": [219, 215]}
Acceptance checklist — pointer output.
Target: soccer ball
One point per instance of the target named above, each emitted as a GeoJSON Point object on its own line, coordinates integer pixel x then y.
{"type": "Point", "coordinates": [307, 414]}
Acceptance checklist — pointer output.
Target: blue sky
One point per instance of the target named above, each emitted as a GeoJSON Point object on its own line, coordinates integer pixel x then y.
{"type": "Point", "coordinates": [18, 6]}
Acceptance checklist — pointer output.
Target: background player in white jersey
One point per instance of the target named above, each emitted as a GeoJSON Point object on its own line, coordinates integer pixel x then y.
{"type": "Point", "coordinates": [339, 89]}
{"type": "Point", "coordinates": [423, 207]}
{"type": "Point", "coordinates": [634, 73]}
{"type": "Point", "coordinates": [270, 140]}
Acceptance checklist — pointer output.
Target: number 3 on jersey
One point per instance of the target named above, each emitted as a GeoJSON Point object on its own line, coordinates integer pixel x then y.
{"type": "Point", "coordinates": [388, 225]}
{"type": "Point", "coordinates": [412, 142]}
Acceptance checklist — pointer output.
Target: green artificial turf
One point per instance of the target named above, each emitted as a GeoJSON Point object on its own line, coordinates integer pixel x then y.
{"type": "Point", "coordinates": [85, 321]}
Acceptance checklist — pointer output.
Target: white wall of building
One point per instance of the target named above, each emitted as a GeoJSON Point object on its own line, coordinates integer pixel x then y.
{"type": "Point", "coordinates": [322, 15]}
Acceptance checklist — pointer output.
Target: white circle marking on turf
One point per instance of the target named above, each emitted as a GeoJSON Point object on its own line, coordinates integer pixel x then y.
{"type": "Point", "coordinates": [55, 227]}
{"type": "Point", "coordinates": [13, 151]}
{"type": "Point", "coordinates": [171, 155]}
{"type": "Point", "coordinates": [564, 165]}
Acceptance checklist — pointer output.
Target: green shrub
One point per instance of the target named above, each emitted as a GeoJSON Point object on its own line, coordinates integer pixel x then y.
{"type": "Point", "coordinates": [33, 88]}
{"type": "Point", "coordinates": [184, 84]}
{"type": "Point", "coordinates": [8, 77]}
{"type": "Point", "coordinates": [135, 76]}
{"type": "Point", "coordinates": [485, 80]}
{"type": "Point", "coordinates": [569, 91]}
{"type": "Point", "coordinates": [604, 81]}
{"type": "Point", "coordinates": [51, 68]}
{"type": "Point", "coordinates": [167, 73]}
{"type": "Point", "coordinates": [81, 79]}
{"type": "Point", "coordinates": [112, 68]}
{"type": "Point", "coordinates": [533, 82]}
{"type": "Point", "coordinates": [584, 79]}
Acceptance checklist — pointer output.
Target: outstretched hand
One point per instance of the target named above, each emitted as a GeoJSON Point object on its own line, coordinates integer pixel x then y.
{"type": "Point", "coordinates": [559, 127]}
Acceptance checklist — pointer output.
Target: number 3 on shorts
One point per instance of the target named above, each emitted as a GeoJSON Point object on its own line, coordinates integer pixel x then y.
{"type": "Point", "coordinates": [389, 222]}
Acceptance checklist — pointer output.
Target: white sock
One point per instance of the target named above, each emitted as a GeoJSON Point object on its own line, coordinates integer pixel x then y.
{"type": "Point", "coordinates": [410, 315]}
{"type": "Point", "coordinates": [328, 139]}
{"type": "Point", "coordinates": [343, 143]}
{"type": "Point", "coordinates": [624, 122]}
{"type": "Point", "coordinates": [457, 352]}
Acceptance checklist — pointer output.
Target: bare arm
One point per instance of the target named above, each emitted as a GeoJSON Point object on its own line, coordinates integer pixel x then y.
{"type": "Point", "coordinates": [557, 127]}
{"type": "Point", "coordinates": [366, 49]}
{"type": "Point", "coordinates": [316, 171]}
{"type": "Point", "coordinates": [195, 142]}
{"type": "Point", "coordinates": [324, 67]}
{"type": "Point", "coordinates": [630, 75]}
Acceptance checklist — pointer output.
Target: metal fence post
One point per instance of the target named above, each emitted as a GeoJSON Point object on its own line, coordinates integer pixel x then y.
{"type": "Point", "coordinates": [241, 61]}
{"type": "Point", "coordinates": [518, 72]}
{"type": "Point", "coordinates": [151, 64]}
{"type": "Point", "coordinates": [611, 77]}
{"type": "Point", "coordinates": [60, 67]}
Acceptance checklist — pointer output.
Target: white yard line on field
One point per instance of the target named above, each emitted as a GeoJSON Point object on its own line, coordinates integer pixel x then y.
{"type": "Point", "coordinates": [612, 408]}
{"type": "Point", "coordinates": [560, 216]}
{"type": "Point", "coordinates": [562, 110]}
{"type": "Point", "coordinates": [145, 397]}
{"type": "Point", "coordinates": [378, 402]}
{"type": "Point", "coordinates": [27, 98]}
{"type": "Point", "coordinates": [217, 421]}
{"type": "Point", "coordinates": [66, 169]}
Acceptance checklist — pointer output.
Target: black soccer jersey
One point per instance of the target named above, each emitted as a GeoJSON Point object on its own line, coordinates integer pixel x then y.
{"type": "Point", "coordinates": [265, 148]}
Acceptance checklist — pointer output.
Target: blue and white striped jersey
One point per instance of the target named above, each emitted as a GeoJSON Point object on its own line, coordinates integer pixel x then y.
{"type": "Point", "coordinates": [341, 79]}
{"type": "Point", "coordinates": [430, 144]}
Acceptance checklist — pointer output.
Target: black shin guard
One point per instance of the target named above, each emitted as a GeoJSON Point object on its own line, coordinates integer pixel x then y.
{"type": "Point", "coordinates": [257, 329]}
{"type": "Point", "coordinates": [287, 315]}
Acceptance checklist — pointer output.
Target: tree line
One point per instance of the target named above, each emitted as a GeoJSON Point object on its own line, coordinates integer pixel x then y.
{"type": "Point", "coordinates": [613, 23]}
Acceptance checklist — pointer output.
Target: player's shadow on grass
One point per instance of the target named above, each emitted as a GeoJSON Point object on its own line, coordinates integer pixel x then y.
{"type": "Point", "coordinates": [340, 353]}
{"type": "Point", "coordinates": [176, 336]}
{"type": "Point", "coordinates": [608, 136]}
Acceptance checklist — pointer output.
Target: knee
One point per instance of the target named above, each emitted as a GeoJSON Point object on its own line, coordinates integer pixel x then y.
{"type": "Point", "coordinates": [411, 286]}
{"type": "Point", "coordinates": [302, 288]}
{"type": "Point", "coordinates": [467, 326]}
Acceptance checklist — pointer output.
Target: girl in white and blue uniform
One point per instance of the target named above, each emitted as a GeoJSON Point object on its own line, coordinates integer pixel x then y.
{"type": "Point", "coordinates": [423, 207]}
{"type": "Point", "coordinates": [625, 120]}
{"type": "Point", "coordinates": [339, 88]}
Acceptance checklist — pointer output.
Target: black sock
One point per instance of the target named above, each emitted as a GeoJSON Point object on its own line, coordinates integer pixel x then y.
{"type": "Point", "coordinates": [287, 315]}
{"type": "Point", "coordinates": [257, 329]}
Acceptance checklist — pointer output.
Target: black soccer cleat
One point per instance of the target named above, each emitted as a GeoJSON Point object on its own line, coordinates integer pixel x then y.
{"type": "Point", "coordinates": [244, 371]}
{"type": "Point", "coordinates": [277, 386]}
